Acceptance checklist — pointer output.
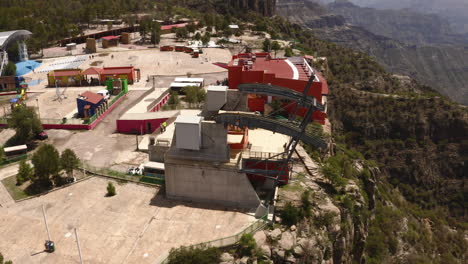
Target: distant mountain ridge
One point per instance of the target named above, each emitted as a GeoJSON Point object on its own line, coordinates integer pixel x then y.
{"type": "Point", "coordinates": [404, 25]}
{"type": "Point", "coordinates": [443, 66]}
{"type": "Point", "coordinates": [455, 11]}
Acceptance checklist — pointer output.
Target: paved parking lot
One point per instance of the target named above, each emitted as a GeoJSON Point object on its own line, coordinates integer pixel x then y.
{"type": "Point", "coordinates": [135, 226]}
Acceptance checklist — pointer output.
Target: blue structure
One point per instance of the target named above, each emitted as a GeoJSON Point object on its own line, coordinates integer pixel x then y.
{"type": "Point", "coordinates": [88, 104]}
{"type": "Point", "coordinates": [25, 67]}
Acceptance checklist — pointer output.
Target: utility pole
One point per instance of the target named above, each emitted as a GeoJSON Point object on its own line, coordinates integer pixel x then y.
{"type": "Point", "coordinates": [49, 244]}
{"type": "Point", "coordinates": [78, 244]}
{"type": "Point", "coordinates": [45, 221]}
{"type": "Point", "coordinates": [38, 110]}
{"type": "Point", "coordinates": [137, 142]}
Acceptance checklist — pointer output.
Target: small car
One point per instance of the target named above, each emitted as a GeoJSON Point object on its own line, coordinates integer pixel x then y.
{"type": "Point", "coordinates": [42, 135]}
{"type": "Point", "coordinates": [131, 171]}
{"type": "Point", "coordinates": [138, 171]}
{"type": "Point", "coordinates": [104, 93]}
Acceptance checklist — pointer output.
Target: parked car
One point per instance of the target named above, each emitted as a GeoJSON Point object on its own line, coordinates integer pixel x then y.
{"type": "Point", "coordinates": [131, 171]}
{"type": "Point", "coordinates": [138, 171]}
{"type": "Point", "coordinates": [42, 135]}
{"type": "Point", "coordinates": [104, 93]}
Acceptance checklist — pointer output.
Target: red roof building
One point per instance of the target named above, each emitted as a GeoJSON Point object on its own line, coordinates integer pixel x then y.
{"type": "Point", "coordinates": [292, 73]}
{"type": "Point", "coordinates": [169, 27]}
{"type": "Point", "coordinates": [88, 103]}
{"type": "Point", "coordinates": [118, 73]}
{"type": "Point", "coordinates": [72, 77]}
{"type": "Point", "coordinates": [110, 37]}
{"type": "Point", "coordinates": [91, 97]}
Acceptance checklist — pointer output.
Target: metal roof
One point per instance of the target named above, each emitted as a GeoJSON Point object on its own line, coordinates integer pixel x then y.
{"type": "Point", "coordinates": [91, 97]}
{"type": "Point", "coordinates": [15, 148]}
{"type": "Point", "coordinates": [188, 80]}
{"type": "Point", "coordinates": [184, 84]}
{"type": "Point", "coordinates": [188, 119]}
{"type": "Point", "coordinates": [154, 165]}
{"type": "Point", "coordinates": [149, 115]}
{"type": "Point", "coordinates": [110, 37]}
{"type": "Point", "coordinates": [64, 73]}
{"type": "Point", "coordinates": [117, 70]}
{"type": "Point", "coordinates": [92, 71]}
{"type": "Point", "coordinates": [213, 88]}
{"type": "Point", "coordinates": [9, 36]}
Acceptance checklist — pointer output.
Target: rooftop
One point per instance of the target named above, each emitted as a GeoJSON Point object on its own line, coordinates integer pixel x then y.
{"type": "Point", "coordinates": [184, 84]}
{"type": "Point", "coordinates": [110, 37]}
{"type": "Point", "coordinates": [92, 71]}
{"type": "Point", "coordinates": [59, 73]}
{"type": "Point", "coordinates": [142, 106]}
{"type": "Point", "coordinates": [169, 27]}
{"type": "Point", "coordinates": [188, 119]}
{"type": "Point", "coordinates": [10, 36]}
{"type": "Point", "coordinates": [118, 70]}
{"type": "Point", "coordinates": [217, 88]}
{"type": "Point", "coordinates": [91, 97]}
{"type": "Point", "coordinates": [149, 115]}
{"type": "Point", "coordinates": [185, 80]}
{"type": "Point", "coordinates": [295, 68]}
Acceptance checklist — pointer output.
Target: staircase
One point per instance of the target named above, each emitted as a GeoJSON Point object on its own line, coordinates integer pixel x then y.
{"type": "Point", "coordinates": [305, 71]}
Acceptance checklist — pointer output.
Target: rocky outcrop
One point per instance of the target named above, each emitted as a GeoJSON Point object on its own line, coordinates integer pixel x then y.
{"type": "Point", "coordinates": [265, 7]}
{"type": "Point", "coordinates": [403, 25]}
{"type": "Point", "coordinates": [415, 51]}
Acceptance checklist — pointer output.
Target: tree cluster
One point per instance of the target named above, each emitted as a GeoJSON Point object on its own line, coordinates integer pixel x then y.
{"type": "Point", "coordinates": [48, 163]}
{"type": "Point", "coordinates": [26, 124]}
{"type": "Point", "coordinates": [194, 255]}
{"type": "Point", "coordinates": [194, 95]}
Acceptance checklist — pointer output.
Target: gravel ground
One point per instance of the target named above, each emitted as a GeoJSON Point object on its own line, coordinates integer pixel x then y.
{"type": "Point", "coordinates": [135, 226]}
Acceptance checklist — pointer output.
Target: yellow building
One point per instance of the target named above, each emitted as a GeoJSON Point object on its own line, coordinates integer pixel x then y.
{"type": "Point", "coordinates": [68, 77]}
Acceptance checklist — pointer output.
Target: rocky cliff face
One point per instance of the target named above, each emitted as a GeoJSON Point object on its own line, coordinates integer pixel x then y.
{"type": "Point", "coordinates": [404, 25]}
{"type": "Point", "coordinates": [265, 7]}
{"type": "Point", "coordinates": [308, 13]}
{"type": "Point", "coordinates": [443, 66]}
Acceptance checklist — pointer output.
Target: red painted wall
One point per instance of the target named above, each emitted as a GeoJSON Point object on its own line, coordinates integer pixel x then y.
{"type": "Point", "coordinates": [256, 103]}
{"type": "Point", "coordinates": [138, 126]}
{"type": "Point", "coordinates": [65, 126]}
{"type": "Point", "coordinates": [244, 142]}
{"type": "Point", "coordinates": [238, 76]}
{"type": "Point", "coordinates": [283, 171]}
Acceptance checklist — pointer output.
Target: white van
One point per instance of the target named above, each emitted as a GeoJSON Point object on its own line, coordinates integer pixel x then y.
{"type": "Point", "coordinates": [104, 93]}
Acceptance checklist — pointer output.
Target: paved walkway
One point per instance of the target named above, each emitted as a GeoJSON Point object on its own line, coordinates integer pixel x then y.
{"type": "Point", "coordinates": [134, 227]}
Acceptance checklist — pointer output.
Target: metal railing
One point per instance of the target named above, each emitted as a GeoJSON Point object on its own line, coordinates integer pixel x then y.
{"type": "Point", "coordinates": [68, 121]}
{"type": "Point", "coordinates": [234, 239]}
{"type": "Point", "coordinates": [158, 179]}
{"type": "Point", "coordinates": [248, 154]}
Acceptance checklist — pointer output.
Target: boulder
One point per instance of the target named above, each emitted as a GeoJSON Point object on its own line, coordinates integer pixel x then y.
{"type": "Point", "coordinates": [287, 241]}
{"type": "Point", "coordinates": [226, 257]}
{"type": "Point", "coordinates": [275, 234]}
{"type": "Point", "coordinates": [307, 243]}
{"type": "Point", "coordinates": [266, 251]}
{"type": "Point", "coordinates": [244, 260]}
{"type": "Point", "coordinates": [260, 238]}
{"type": "Point", "coordinates": [298, 251]}
{"type": "Point", "coordinates": [293, 228]}
{"type": "Point", "coordinates": [278, 253]}
{"type": "Point", "coordinates": [291, 259]}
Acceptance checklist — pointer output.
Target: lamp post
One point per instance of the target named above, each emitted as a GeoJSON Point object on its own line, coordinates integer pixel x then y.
{"type": "Point", "coordinates": [38, 112]}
